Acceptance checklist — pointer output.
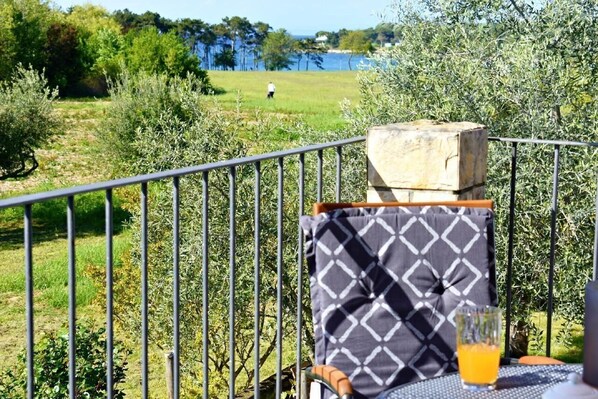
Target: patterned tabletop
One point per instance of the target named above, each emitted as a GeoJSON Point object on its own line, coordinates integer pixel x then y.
{"type": "Point", "coordinates": [517, 381]}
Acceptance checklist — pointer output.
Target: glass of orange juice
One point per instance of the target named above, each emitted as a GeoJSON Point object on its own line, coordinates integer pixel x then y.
{"type": "Point", "coordinates": [478, 346]}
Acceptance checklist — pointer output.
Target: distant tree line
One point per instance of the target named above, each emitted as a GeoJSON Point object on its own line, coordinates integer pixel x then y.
{"type": "Point", "coordinates": [82, 48]}
{"type": "Point", "coordinates": [385, 32]}
{"type": "Point", "coordinates": [46, 53]}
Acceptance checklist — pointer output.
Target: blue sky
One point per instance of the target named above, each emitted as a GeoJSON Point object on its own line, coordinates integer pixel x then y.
{"type": "Point", "coordinates": [300, 17]}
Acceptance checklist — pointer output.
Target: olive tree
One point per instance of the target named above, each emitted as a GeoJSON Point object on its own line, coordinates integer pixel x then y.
{"type": "Point", "coordinates": [27, 122]}
{"type": "Point", "coordinates": [523, 71]}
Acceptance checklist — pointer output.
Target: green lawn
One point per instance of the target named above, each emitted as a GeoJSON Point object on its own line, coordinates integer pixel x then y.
{"type": "Point", "coordinates": [314, 96]}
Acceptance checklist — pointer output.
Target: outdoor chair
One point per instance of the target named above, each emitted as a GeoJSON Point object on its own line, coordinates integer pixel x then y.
{"type": "Point", "coordinates": [385, 282]}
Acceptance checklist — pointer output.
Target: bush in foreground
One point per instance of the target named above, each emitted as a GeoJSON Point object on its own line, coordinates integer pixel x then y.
{"type": "Point", "coordinates": [155, 124]}
{"type": "Point", "coordinates": [51, 367]}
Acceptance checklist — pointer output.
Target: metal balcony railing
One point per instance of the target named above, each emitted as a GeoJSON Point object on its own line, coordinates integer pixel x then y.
{"type": "Point", "coordinates": [231, 167]}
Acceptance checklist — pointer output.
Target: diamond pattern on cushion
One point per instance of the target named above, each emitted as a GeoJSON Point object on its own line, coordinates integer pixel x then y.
{"type": "Point", "coordinates": [332, 237]}
{"type": "Point", "coordinates": [385, 283]}
{"type": "Point", "coordinates": [435, 319]}
{"type": "Point", "coordinates": [470, 277]}
{"type": "Point", "coordinates": [378, 335]}
{"type": "Point", "coordinates": [337, 273]}
{"type": "Point", "coordinates": [381, 232]}
{"type": "Point", "coordinates": [417, 227]}
{"type": "Point", "coordinates": [461, 241]}
{"type": "Point", "coordinates": [431, 356]}
{"type": "Point", "coordinates": [337, 323]}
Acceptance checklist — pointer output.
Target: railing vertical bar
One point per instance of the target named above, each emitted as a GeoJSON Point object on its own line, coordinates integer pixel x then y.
{"type": "Point", "coordinates": [511, 241]}
{"type": "Point", "coordinates": [144, 300]}
{"type": "Point", "coordinates": [205, 283]}
{"type": "Point", "coordinates": [109, 295]}
{"type": "Point", "coordinates": [595, 276]}
{"type": "Point", "coordinates": [256, 239]}
{"type": "Point", "coordinates": [279, 264]}
{"type": "Point", "coordinates": [300, 273]}
{"type": "Point", "coordinates": [319, 176]}
{"type": "Point", "coordinates": [176, 287]}
{"type": "Point", "coordinates": [553, 216]}
{"type": "Point", "coordinates": [72, 295]}
{"type": "Point", "coordinates": [232, 264]}
{"type": "Point", "coordinates": [339, 158]}
{"type": "Point", "coordinates": [28, 238]}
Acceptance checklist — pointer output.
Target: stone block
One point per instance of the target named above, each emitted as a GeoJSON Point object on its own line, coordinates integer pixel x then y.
{"type": "Point", "coordinates": [427, 155]}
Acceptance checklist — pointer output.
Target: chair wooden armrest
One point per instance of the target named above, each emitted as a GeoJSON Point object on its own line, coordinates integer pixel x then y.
{"type": "Point", "coordinates": [530, 360]}
{"type": "Point", "coordinates": [538, 360]}
{"type": "Point", "coordinates": [320, 207]}
{"type": "Point", "coordinates": [332, 378]}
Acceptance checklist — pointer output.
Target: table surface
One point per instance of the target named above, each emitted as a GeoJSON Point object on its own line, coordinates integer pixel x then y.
{"type": "Point", "coordinates": [517, 381]}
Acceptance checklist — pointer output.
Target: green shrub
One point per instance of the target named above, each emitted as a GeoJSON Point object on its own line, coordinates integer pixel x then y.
{"type": "Point", "coordinates": [26, 122]}
{"type": "Point", "coordinates": [151, 107]}
{"type": "Point", "coordinates": [51, 367]}
{"type": "Point", "coordinates": [153, 124]}
{"type": "Point", "coordinates": [152, 52]}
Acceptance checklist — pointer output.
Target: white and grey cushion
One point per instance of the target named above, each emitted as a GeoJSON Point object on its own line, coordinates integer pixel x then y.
{"type": "Point", "coordinates": [385, 283]}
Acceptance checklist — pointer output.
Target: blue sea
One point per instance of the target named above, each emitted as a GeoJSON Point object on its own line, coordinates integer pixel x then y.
{"type": "Point", "coordinates": [333, 62]}
{"type": "Point", "coordinates": [330, 62]}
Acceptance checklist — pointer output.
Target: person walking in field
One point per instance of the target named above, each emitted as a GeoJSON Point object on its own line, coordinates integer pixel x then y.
{"type": "Point", "coordinates": [271, 90]}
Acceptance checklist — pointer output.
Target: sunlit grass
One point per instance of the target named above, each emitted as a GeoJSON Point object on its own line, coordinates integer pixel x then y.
{"type": "Point", "coordinates": [72, 157]}
{"type": "Point", "coordinates": [314, 96]}
{"type": "Point", "coordinates": [50, 281]}
{"type": "Point", "coordinates": [569, 352]}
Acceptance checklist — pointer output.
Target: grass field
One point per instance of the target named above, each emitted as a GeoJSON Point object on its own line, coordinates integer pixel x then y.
{"type": "Point", "coordinates": [313, 96]}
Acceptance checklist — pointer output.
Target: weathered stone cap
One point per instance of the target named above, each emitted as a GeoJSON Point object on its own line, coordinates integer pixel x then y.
{"type": "Point", "coordinates": [428, 125]}
{"type": "Point", "coordinates": [427, 155]}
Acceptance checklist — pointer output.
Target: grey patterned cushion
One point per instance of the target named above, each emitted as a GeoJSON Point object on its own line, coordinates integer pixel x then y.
{"type": "Point", "coordinates": [385, 283]}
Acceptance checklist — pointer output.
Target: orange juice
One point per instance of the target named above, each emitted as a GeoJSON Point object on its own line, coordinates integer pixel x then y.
{"type": "Point", "coordinates": [478, 363]}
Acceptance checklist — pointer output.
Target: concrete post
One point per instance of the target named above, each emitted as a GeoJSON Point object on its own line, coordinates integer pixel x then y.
{"type": "Point", "coordinates": [427, 161]}
{"type": "Point", "coordinates": [169, 361]}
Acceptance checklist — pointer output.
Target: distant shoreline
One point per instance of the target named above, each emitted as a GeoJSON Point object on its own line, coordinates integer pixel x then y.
{"type": "Point", "coordinates": [333, 60]}
{"type": "Point", "coordinates": [339, 51]}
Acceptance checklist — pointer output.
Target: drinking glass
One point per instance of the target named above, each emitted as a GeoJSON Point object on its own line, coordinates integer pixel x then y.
{"type": "Point", "coordinates": [478, 346]}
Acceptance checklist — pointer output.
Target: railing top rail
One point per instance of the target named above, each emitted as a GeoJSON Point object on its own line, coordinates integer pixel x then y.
{"type": "Point", "coordinates": [110, 184]}
{"type": "Point", "coordinates": [127, 181]}
{"type": "Point", "coordinates": [549, 142]}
